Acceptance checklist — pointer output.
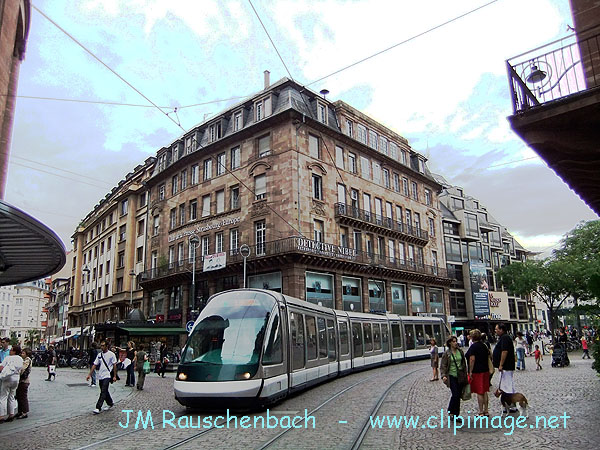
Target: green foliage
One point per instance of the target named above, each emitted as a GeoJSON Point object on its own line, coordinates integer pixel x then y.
{"type": "Point", "coordinates": [32, 338]}
{"type": "Point", "coordinates": [14, 340]}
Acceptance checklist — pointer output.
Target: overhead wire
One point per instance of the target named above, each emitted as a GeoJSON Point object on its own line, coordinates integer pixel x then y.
{"type": "Point", "coordinates": [104, 64]}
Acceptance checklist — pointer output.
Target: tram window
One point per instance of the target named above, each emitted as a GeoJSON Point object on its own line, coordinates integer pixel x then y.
{"type": "Point", "coordinates": [331, 340]}
{"type": "Point", "coordinates": [273, 350]}
{"type": "Point", "coordinates": [420, 336]}
{"type": "Point", "coordinates": [344, 345]}
{"type": "Point", "coordinates": [376, 336]}
{"type": "Point", "coordinates": [368, 337]}
{"type": "Point", "coordinates": [385, 338]}
{"type": "Point", "coordinates": [357, 339]}
{"type": "Point", "coordinates": [437, 334]}
{"type": "Point", "coordinates": [322, 337]}
{"type": "Point", "coordinates": [409, 336]}
{"type": "Point", "coordinates": [311, 338]}
{"type": "Point", "coordinates": [428, 333]}
{"type": "Point", "coordinates": [396, 336]}
{"type": "Point", "coordinates": [297, 326]}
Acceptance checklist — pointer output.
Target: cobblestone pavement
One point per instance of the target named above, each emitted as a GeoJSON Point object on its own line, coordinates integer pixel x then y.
{"type": "Point", "coordinates": [61, 414]}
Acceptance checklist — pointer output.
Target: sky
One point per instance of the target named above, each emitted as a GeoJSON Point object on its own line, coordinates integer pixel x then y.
{"type": "Point", "coordinates": [446, 91]}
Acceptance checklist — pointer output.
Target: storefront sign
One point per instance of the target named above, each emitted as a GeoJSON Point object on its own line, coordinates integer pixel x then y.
{"type": "Point", "coordinates": [498, 302]}
{"type": "Point", "coordinates": [215, 261]}
{"type": "Point", "coordinates": [321, 248]}
{"type": "Point", "coordinates": [203, 228]}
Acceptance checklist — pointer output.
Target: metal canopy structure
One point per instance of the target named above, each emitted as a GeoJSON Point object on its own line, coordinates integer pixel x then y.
{"type": "Point", "coordinates": [28, 249]}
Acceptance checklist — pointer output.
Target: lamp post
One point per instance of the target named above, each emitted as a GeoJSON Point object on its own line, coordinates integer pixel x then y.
{"type": "Point", "coordinates": [245, 252]}
{"type": "Point", "coordinates": [131, 274]}
{"type": "Point", "coordinates": [194, 242]}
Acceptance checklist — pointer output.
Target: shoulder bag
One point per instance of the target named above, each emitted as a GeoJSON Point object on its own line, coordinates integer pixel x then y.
{"type": "Point", "coordinates": [462, 380]}
{"type": "Point", "coordinates": [109, 371]}
{"type": "Point", "coordinates": [490, 364]}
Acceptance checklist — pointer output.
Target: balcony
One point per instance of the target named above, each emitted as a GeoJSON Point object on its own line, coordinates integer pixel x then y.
{"type": "Point", "coordinates": [275, 253]}
{"type": "Point", "coordinates": [368, 221]}
{"type": "Point", "coordinates": [555, 91]}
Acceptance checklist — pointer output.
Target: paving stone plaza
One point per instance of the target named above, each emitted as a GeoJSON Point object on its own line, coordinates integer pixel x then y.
{"type": "Point", "coordinates": [61, 414]}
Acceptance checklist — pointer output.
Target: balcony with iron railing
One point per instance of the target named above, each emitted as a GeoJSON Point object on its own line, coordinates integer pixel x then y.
{"type": "Point", "coordinates": [554, 71]}
{"type": "Point", "coordinates": [301, 246]}
{"type": "Point", "coordinates": [356, 216]}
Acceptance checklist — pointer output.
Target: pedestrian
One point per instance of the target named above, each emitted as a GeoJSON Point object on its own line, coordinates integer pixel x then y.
{"type": "Point", "coordinates": [504, 360]}
{"type": "Point", "coordinates": [454, 373]}
{"type": "Point", "coordinates": [92, 353]}
{"type": "Point", "coordinates": [538, 357]}
{"type": "Point", "coordinates": [435, 359]}
{"type": "Point", "coordinates": [106, 365]}
{"type": "Point", "coordinates": [140, 359]}
{"type": "Point", "coordinates": [130, 368]}
{"type": "Point", "coordinates": [529, 343]}
{"type": "Point", "coordinates": [23, 387]}
{"type": "Point", "coordinates": [584, 346]}
{"type": "Point", "coordinates": [461, 340]}
{"type": "Point", "coordinates": [477, 357]}
{"type": "Point", "coordinates": [4, 350]}
{"type": "Point", "coordinates": [521, 350]}
{"type": "Point", "coordinates": [51, 363]}
{"type": "Point", "coordinates": [9, 374]}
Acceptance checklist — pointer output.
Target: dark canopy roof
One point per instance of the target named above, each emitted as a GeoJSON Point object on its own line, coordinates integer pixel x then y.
{"type": "Point", "coordinates": [28, 249]}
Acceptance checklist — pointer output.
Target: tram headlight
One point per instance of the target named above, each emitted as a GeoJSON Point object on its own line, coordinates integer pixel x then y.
{"type": "Point", "coordinates": [244, 376]}
{"type": "Point", "coordinates": [182, 376]}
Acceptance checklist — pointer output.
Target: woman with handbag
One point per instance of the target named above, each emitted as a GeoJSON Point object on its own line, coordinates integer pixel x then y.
{"type": "Point", "coordinates": [454, 374]}
{"type": "Point", "coordinates": [479, 362]}
{"type": "Point", "coordinates": [23, 387]}
{"type": "Point", "coordinates": [142, 366]}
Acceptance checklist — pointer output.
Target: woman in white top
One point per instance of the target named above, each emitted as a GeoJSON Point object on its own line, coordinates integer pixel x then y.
{"type": "Point", "coordinates": [11, 368]}
{"type": "Point", "coordinates": [521, 349]}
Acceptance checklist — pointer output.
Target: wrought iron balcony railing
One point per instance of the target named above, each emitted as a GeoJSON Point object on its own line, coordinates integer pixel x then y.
{"type": "Point", "coordinates": [345, 210]}
{"type": "Point", "coordinates": [554, 71]}
{"type": "Point", "coordinates": [300, 245]}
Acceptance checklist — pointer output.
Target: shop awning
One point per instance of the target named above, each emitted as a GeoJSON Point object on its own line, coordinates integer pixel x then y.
{"type": "Point", "coordinates": [152, 331]}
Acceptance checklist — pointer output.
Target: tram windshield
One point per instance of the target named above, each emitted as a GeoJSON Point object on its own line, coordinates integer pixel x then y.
{"type": "Point", "coordinates": [227, 341]}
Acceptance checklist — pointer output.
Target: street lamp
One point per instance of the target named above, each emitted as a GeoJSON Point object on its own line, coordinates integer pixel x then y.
{"type": "Point", "coordinates": [245, 252]}
{"type": "Point", "coordinates": [131, 274]}
{"type": "Point", "coordinates": [194, 242]}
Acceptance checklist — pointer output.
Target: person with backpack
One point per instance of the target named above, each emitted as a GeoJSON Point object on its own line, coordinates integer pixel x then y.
{"type": "Point", "coordinates": [106, 364]}
{"type": "Point", "coordinates": [23, 387]}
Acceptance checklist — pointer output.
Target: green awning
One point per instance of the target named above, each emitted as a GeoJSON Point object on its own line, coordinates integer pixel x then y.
{"type": "Point", "coordinates": [154, 331]}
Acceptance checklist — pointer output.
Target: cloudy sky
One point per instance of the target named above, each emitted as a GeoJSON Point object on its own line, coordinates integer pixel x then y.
{"type": "Point", "coordinates": [446, 91]}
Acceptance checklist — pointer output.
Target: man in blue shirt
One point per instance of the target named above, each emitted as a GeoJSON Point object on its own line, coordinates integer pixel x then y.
{"type": "Point", "coordinates": [4, 348]}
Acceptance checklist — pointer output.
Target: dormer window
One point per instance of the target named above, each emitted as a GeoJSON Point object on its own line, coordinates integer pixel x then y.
{"type": "Point", "coordinates": [421, 166]}
{"type": "Point", "coordinates": [214, 131]}
{"type": "Point", "coordinates": [322, 112]}
{"type": "Point", "coordinates": [237, 121]}
{"type": "Point", "coordinates": [262, 108]}
{"type": "Point", "coordinates": [189, 145]}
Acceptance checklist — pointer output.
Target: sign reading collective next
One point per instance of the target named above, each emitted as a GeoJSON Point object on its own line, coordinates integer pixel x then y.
{"type": "Point", "coordinates": [203, 228]}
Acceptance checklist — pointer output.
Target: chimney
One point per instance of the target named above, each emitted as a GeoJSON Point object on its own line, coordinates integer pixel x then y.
{"type": "Point", "coordinates": [267, 79]}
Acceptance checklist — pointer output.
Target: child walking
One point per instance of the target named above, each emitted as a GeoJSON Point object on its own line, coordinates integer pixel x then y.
{"type": "Point", "coordinates": [538, 357]}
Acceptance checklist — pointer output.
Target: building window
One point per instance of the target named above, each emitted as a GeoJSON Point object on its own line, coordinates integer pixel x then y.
{"type": "Point", "coordinates": [182, 214]}
{"type": "Point", "coordinates": [457, 203]}
{"type": "Point", "coordinates": [373, 139]}
{"type": "Point", "coordinates": [183, 179]}
{"type": "Point", "coordinates": [339, 157]}
{"type": "Point", "coordinates": [415, 194]}
{"type": "Point", "coordinates": [352, 163]}
{"type": "Point", "coordinates": [471, 227]}
{"type": "Point", "coordinates": [365, 168]}
{"type": "Point", "coordinates": [361, 134]}
{"type": "Point", "coordinates": [404, 158]}
{"type": "Point", "coordinates": [421, 166]}
{"type": "Point", "coordinates": [313, 146]}
{"type": "Point", "coordinates": [194, 174]}
{"type": "Point", "coordinates": [405, 186]}
{"type": "Point", "coordinates": [180, 254]}
{"type": "Point", "coordinates": [141, 227]}
{"type": "Point", "coordinates": [260, 187]}
{"type": "Point", "coordinates": [264, 146]}
{"type": "Point", "coordinates": [120, 284]}
{"type": "Point", "coordinates": [161, 193]}
{"type": "Point", "coordinates": [122, 232]}
{"type": "Point", "coordinates": [386, 178]}
{"type": "Point", "coordinates": [174, 184]}
{"type": "Point", "coordinates": [139, 256]}
{"type": "Point", "coordinates": [233, 241]}
{"type": "Point", "coordinates": [214, 131]}
{"type": "Point", "coordinates": [383, 145]}
{"type": "Point", "coordinates": [319, 231]}
{"type": "Point", "coordinates": [343, 237]}
{"type": "Point", "coordinates": [121, 260]}
{"type": "Point", "coordinates": [142, 200]}
{"type": "Point", "coordinates": [427, 197]}
{"type": "Point", "coordinates": [220, 201]}
{"type": "Point", "coordinates": [219, 242]}
{"type": "Point", "coordinates": [376, 173]}
{"type": "Point", "coordinates": [431, 227]}
{"type": "Point", "coordinates": [124, 209]}
{"type": "Point", "coordinates": [207, 169]}
{"type": "Point", "coordinates": [452, 247]}
{"type": "Point", "coordinates": [317, 187]}
{"type": "Point", "coordinates": [322, 110]}
{"type": "Point", "coordinates": [189, 145]}
{"type": "Point", "coordinates": [262, 108]}
{"type": "Point", "coordinates": [349, 128]}
{"type": "Point", "coordinates": [260, 233]}
{"type": "Point", "coordinates": [234, 197]}
{"type": "Point", "coordinates": [235, 158]}
{"type": "Point", "coordinates": [172, 218]}
{"type": "Point", "coordinates": [206, 206]}
{"type": "Point", "coordinates": [237, 121]}
{"type": "Point", "coordinates": [221, 161]}
{"type": "Point", "coordinates": [193, 210]}
{"type": "Point", "coordinates": [205, 245]}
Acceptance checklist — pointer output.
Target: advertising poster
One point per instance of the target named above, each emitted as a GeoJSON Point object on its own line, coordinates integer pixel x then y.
{"type": "Point", "coordinates": [480, 289]}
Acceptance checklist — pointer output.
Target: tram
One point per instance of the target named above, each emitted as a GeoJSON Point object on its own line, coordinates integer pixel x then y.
{"type": "Point", "coordinates": [253, 347]}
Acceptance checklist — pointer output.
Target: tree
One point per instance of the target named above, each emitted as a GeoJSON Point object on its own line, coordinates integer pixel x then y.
{"type": "Point", "coordinates": [545, 279]}
{"type": "Point", "coordinates": [32, 338]}
{"type": "Point", "coordinates": [14, 340]}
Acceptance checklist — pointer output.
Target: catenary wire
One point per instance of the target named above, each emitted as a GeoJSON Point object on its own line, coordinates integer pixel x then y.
{"type": "Point", "coordinates": [58, 175]}
{"type": "Point", "coordinates": [104, 64]}
{"type": "Point", "coordinates": [403, 42]}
